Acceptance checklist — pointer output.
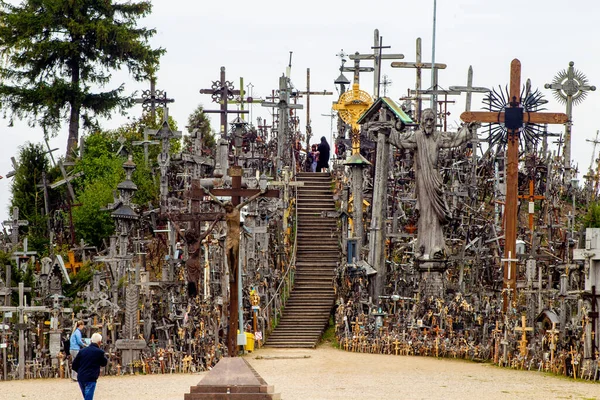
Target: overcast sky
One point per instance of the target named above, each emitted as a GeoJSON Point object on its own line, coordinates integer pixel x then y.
{"type": "Point", "coordinates": [252, 39]}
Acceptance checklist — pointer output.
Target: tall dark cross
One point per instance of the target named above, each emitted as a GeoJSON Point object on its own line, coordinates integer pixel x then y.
{"type": "Point", "coordinates": [222, 92]}
{"type": "Point", "coordinates": [418, 65]}
{"type": "Point", "coordinates": [236, 192]}
{"type": "Point", "coordinates": [151, 98]}
{"type": "Point", "coordinates": [71, 195]}
{"type": "Point", "coordinates": [377, 56]}
{"type": "Point", "coordinates": [308, 93]}
{"type": "Point", "coordinates": [513, 118]}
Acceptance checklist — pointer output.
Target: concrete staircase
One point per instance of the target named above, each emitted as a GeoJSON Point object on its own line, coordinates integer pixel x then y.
{"type": "Point", "coordinates": [308, 308]}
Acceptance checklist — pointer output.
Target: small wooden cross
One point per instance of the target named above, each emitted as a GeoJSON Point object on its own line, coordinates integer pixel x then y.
{"type": "Point", "coordinates": [524, 329]}
{"type": "Point", "coordinates": [396, 344]}
{"type": "Point", "coordinates": [531, 197]}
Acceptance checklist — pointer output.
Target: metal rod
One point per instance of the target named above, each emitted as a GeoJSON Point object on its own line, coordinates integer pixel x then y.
{"type": "Point", "coordinates": [433, 80]}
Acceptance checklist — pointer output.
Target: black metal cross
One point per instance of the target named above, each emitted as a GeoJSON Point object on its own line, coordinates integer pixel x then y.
{"type": "Point", "coordinates": [221, 92]}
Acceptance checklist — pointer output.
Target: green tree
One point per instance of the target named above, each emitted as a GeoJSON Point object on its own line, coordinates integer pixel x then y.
{"type": "Point", "coordinates": [198, 122]}
{"type": "Point", "coordinates": [592, 218]}
{"type": "Point", "coordinates": [60, 54]}
{"type": "Point", "coordinates": [28, 196]}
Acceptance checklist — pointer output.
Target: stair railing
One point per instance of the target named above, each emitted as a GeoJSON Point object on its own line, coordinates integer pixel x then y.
{"type": "Point", "coordinates": [271, 312]}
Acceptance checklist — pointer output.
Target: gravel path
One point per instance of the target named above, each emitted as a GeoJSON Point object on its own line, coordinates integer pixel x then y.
{"type": "Point", "coordinates": [329, 374]}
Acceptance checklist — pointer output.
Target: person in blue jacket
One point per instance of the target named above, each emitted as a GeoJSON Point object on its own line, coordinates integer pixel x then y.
{"type": "Point", "coordinates": [87, 364]}
{"type": "Point", "coordinates": [76, 344]}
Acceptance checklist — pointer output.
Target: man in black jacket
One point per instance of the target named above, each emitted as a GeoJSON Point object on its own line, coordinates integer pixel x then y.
{"type": "Point", "coordinates": [87, 364]}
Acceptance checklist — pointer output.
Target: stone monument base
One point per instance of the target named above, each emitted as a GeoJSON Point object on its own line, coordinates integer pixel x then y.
{"type": "Point", "coordinates": [432, 277]}
{"type": "Point", "coordinates": [232, 379]}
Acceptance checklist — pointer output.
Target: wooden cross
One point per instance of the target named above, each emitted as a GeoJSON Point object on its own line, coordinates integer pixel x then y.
{"type": "Point", "coordinates": [396, 344]}
{"type": "Point", "coordinates": [71, 197]}
{"type": "Point", "coordinates": [26, 253]}
{"type": "Point", "coordinates": [221, 92]}
{"type": "Point", "coordinates": [593, 315]}
{"type": "Point", "coordinates": [553, 334]}
{"type": "Point", "coordinates": [146, 142]}
{"type": "Point", "coordinates": [14, 225]}
{"type": "Point", "coordinates": [418, 65]}
{"type": "Point", "coordinates": [357, 69]}
{"type": "Point", "coordinates": [532, 197]}
{"type": "Point", "coordinates": [377, 56]}
{"type": "Point", "coordinates": [308, 93]}
{"type": "Point", "coordinates": [513, 118]}
{"type": "Point", "coordinates": [286, 182]}
{"type": "Point", "coordinates": [469, 89]}
{"type": "Point", "coordinates": [15, 165]}
{"type": "Point", "coordinates": [524, 329]}
{"type": "Point", "coordinates": [21, 326]}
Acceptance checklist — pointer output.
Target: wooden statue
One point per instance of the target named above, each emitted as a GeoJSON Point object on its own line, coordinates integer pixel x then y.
{"type": "Point", "coordinates": [232, 240]}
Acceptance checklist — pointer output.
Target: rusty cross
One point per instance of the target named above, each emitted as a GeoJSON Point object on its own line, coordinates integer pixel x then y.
{"type": "Point", "coordinates": [513, 118]}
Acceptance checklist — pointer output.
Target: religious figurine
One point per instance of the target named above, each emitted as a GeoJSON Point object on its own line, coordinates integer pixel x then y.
{"type": "Point", "coordinates": [232, 219]}
{"type": "Point", "coordinates": [193, 239]}
{"type": "Point", "coordinates": [431, 204]}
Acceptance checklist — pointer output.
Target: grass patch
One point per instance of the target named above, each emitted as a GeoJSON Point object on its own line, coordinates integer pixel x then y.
{"type": "Point", "coordinates": [329, 335]}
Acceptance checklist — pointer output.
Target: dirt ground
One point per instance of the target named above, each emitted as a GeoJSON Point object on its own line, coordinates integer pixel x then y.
{"type": "Point", "coordinates": [328, 374]}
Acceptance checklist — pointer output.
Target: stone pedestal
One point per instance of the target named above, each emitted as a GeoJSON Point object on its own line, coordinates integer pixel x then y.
{"type": "Point", "coordinates": [432, 277]}
{"type": "Point", "coordinates": [232, 378]}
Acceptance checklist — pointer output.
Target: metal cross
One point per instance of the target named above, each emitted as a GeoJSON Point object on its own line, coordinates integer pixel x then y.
{"type": "Point", "coordinates": [151, 98]}
{"type": "Point", "coordinates": [222, 92]}
{"type": "Point", "coordinates": [569, 86]}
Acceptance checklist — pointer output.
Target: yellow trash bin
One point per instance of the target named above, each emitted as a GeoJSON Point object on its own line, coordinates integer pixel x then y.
{"type": "Point", "coordinates": [249, 341]}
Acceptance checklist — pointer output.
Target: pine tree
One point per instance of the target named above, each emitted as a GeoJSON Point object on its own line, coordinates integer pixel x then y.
{"type": "Point", "coordinates": [60, 55]}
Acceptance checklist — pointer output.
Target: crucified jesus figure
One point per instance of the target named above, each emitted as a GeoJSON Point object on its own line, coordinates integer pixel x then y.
{"type": "Point", "coordinates": [431, 204]}
{"type": "Point", "coordinates": [232, 239]}
{"type": "Point", "coordinates": [193, 240]}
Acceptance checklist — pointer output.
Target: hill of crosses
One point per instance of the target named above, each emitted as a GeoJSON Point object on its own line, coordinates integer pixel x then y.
{"type": "Point", "coordinates": [402, 236]}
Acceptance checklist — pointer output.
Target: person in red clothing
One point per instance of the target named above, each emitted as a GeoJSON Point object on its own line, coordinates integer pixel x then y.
{"type": "Point", "coordinates": [87, 363]}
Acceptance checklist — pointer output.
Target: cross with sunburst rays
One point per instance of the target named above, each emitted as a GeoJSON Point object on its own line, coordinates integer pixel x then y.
{"type": "Point", "coordinates": [570, 87]}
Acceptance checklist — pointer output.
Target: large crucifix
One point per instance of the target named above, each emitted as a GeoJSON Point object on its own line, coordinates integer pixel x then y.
{"type": "Point", "coordinates": [232, 241]}
{"type": "Point", "coordinates": [221, 92]}
{"type": "Point", "coordinates": [513, 118]}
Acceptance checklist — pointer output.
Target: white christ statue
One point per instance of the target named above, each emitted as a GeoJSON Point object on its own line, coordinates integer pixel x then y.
{"type": "Point", "coordinates": [431, 203]}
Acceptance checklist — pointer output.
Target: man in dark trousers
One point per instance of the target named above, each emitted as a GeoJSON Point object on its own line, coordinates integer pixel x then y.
{"type": "Point", "coordinates": [87, 364]}
{"type": "Point", "coordinates": [324, 151]}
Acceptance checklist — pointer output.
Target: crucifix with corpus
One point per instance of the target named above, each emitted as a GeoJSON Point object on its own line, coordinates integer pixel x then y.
{"type": "Point", "coordinates": [232, 241]}
{"type": "Point", "coordinates": [514, 119]}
